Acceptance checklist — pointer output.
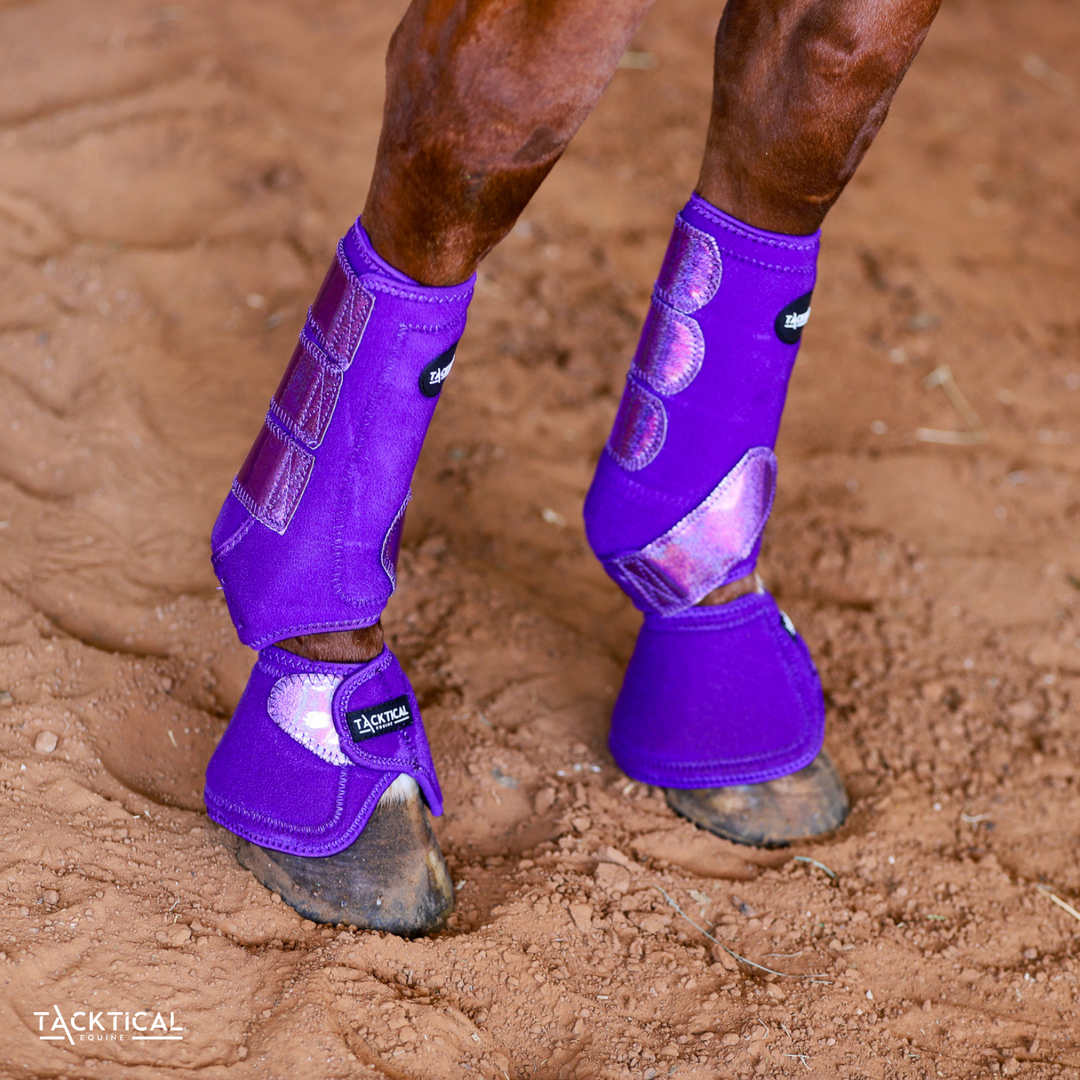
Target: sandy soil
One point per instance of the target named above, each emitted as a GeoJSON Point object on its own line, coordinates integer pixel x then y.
{"type": "Point", "coordinates": [172, 180]}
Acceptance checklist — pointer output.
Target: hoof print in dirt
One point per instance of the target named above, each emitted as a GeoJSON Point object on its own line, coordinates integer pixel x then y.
{"type": "Point", "coordinates": [808, 803]}
{"type": "Point", "coordinates": [392, 877]}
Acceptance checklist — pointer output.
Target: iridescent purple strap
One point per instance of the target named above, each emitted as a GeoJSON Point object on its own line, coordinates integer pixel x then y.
{"type": "Point", "coordinates": [305, 400]}
{"type": "Point", "coordinates": [341, 310]}
{"type": "Point", "coordinates": [692, 268]}
{"type": "Point", "coordinates": [301, 705]}
{"type": "Point", "coordinates": [276, 472]}
{"type": "Point", "coordinates": [640, 428]}
{"type": "Point", "coordinates": [700, 552]}
{"type": "Point", "coordinates": [273, 477]}
{"type": "Point", "coordinates": [671, 350]}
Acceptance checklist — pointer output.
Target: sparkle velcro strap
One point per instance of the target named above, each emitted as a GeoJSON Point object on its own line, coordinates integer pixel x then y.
{"type": "Point", "coordinates": [692, 268]}
{"type": "Point", "coordinates": [309, 389]}
{"type": "Point", "coordinates": [700, 552]}
{"type": "Point", "coordinates": [341, 310]}
{"type": "Point", "coordinates": [671, 350]}
{"type": "Point", "coordinates": [640, 428]}
{"type": "Point", "coordinates": [273, 477]}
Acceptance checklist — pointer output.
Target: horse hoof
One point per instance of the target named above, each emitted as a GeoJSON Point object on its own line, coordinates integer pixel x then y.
{"type": "Point", "coordinates": [392, 877]}
{"type": "Point", "coordinates": [805, 804]}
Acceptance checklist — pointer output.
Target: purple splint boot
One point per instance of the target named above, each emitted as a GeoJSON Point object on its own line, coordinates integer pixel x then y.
{"type": "Point", "coordinates": [307, 543]}
{"type": "Point", "coordinates": [722, 695]}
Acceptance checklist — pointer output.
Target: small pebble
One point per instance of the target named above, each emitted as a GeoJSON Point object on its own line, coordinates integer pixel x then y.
{"type": "Point", "coordinates": [582, 914]}
{"type": "Point", "coordinates": [612, 877]}
{"type": "Point", "coordinates": [242, 1053]}
{"type": "Point", "coordinates": [51, 896]}
{"type": "Point", "coordinates": [46, 741]}
{"type": "Point", "coordinates": [307, 924]}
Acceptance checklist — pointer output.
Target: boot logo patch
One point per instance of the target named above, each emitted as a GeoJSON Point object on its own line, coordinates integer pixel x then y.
{"type": "Point", "coordinates": [791, 320]}
{"type": "Point", "coordinates": [434, 374]}
{"type": "Point", "coordinates": [381, 719]}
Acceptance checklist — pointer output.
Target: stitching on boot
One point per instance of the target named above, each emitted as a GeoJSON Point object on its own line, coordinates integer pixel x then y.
{"type": "Point", "coordinates": [392, 542]}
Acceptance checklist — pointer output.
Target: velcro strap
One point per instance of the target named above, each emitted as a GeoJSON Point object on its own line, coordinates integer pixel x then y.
{"type": "Point", "coordinates": [375, 713]}
{"type": "Point", "coordinates": [701, 552]}
{"type": "Point", "coordinates": [690, 275]}
{"type": "Point", "coordinates": [671, 351]}
{"type": "Point", "coordinates": [341, 311]}
{"type": "Point", "coordinates": [309, 390]}
{"type": "Point", "coordinates": [273, 477]}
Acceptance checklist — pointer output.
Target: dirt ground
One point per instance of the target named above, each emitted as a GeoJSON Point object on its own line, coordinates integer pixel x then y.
{"type": "Point", "coordinates": [172, 181]}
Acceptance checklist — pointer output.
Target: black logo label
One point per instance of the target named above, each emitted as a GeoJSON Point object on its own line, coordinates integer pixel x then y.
{"type": "Point", "coordinates": [792, 319]}
{"type": "Point", "coordinates": [379, 719]}
{"type": "Point", "coordinates": [434, 374]}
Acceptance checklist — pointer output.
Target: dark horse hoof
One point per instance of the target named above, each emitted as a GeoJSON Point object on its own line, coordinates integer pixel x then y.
{"type": "Point", "coordinates": [808, 803]}
{"type": "Point", "coordinates": [393, 877]}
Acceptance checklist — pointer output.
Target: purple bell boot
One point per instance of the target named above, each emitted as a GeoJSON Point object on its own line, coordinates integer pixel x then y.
{"type": "Point", "coordinates": [307, 543]}
{"type": "Point", "coordinates": [724, 695]}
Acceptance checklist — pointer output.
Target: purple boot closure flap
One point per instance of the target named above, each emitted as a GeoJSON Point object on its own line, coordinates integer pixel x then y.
{"type": "Point", "coordinates": [716, 543]}
{"type": "Point", "coordinates": [307, 539]}
{"type": "Point", "coordinates": [717, 696]}
{"type": "Point", "coordinates": [312, 747]}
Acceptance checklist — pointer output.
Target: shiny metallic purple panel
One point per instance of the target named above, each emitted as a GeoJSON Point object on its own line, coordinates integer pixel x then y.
{"type": "Point", "coordinates": [272, 478]}
{"type": "Point", "coordinates": [640, 428]}
{"type": "Point", "coordinates": [309, 390]}
{"type": "Point", "coordinates": [671, 350]}
{"type": "Point", "coordinates": [692, 267]}
{"type": "Point", "coordinates": [301, 706]}
{"type": "Point", "coordinates": [695, 556]}
{"type": "Point", "coordinates": [340, 312]}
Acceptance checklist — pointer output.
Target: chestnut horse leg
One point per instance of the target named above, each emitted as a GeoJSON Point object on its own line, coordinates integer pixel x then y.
{"type": "Point", "coordinates": [801, 88]}
{"type": "Point", "coordinates": [482, 98]}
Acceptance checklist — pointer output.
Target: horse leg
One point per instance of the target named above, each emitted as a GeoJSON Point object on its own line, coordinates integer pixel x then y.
{"type": "Point", "coordinates": [721, 705]}
{"type": "Point", "coordinates": [324, 770]}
